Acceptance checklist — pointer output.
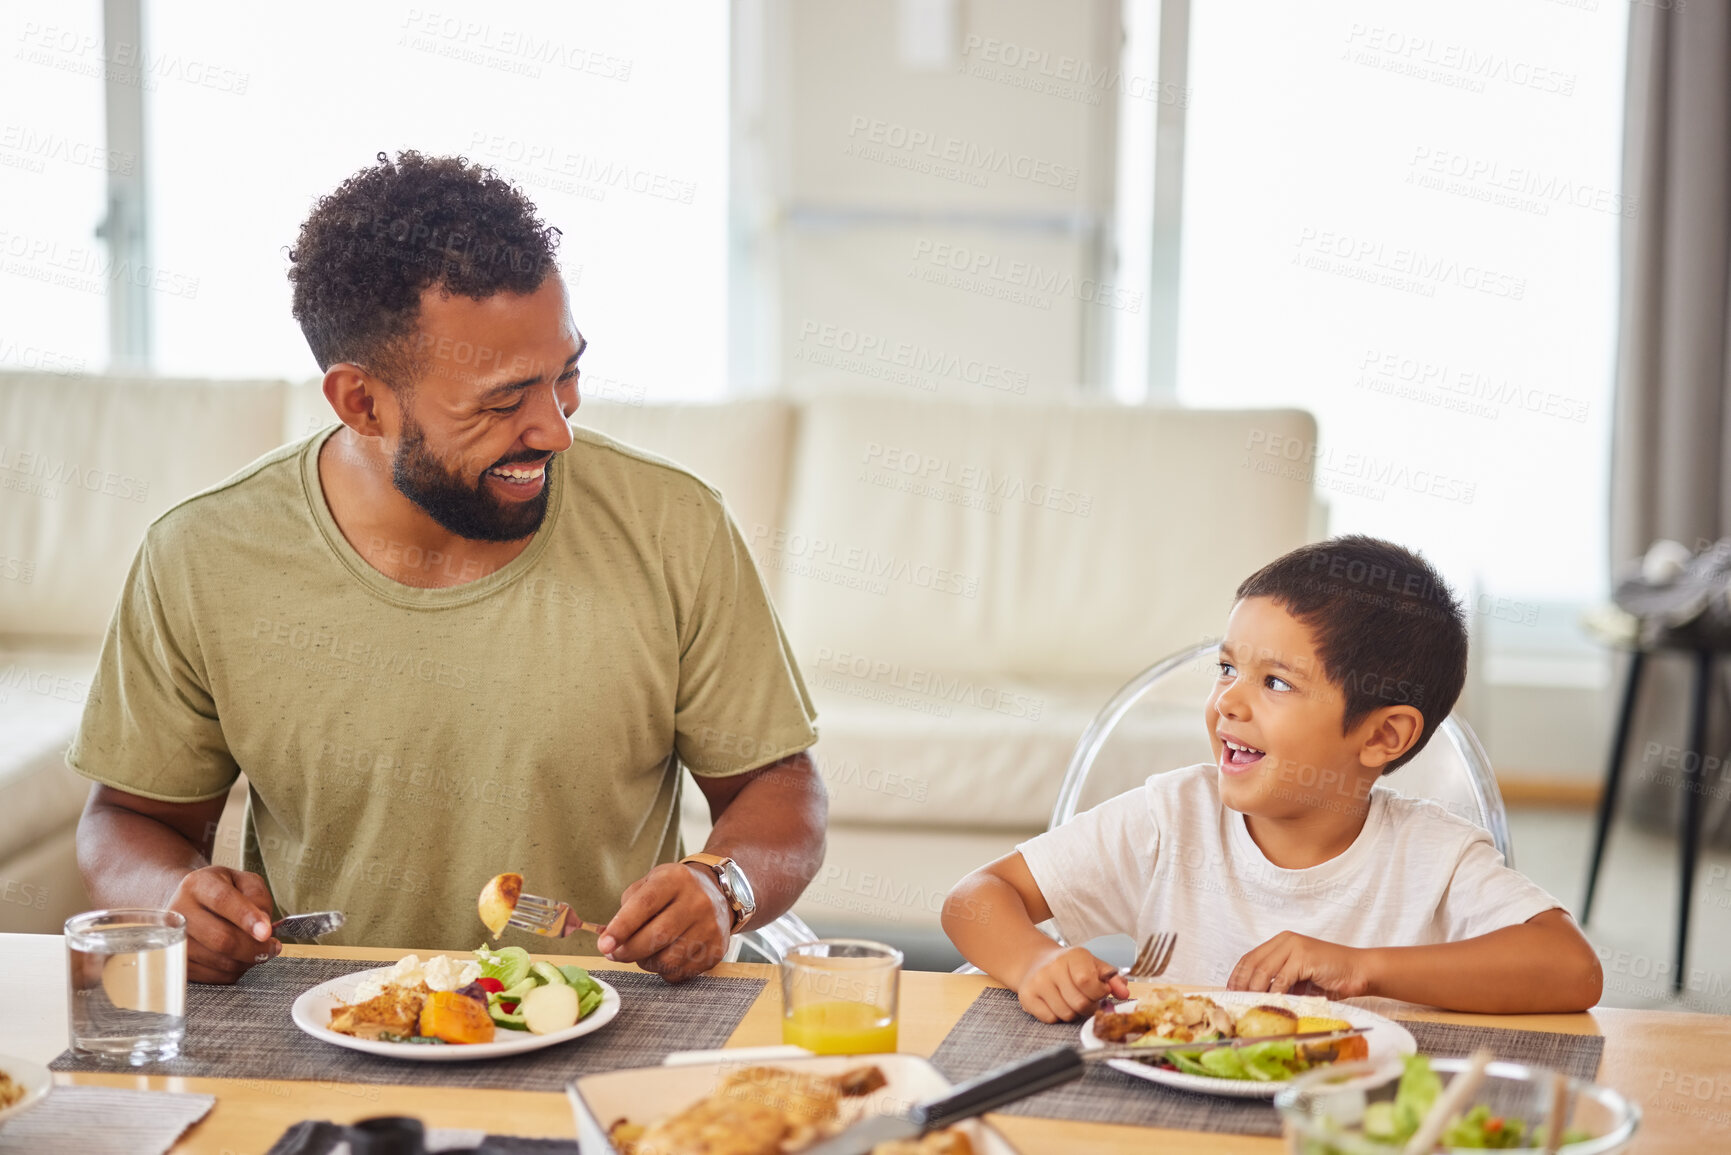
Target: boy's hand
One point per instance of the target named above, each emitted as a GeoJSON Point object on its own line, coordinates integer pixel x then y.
{"type": "Point", "coordinates": [1068, 982]}
{"type": "Point", "coordinates": [1292, 963]}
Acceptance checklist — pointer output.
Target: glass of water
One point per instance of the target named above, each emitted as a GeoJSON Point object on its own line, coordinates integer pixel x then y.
{"type": "Point", "coordinates": [128, 984]}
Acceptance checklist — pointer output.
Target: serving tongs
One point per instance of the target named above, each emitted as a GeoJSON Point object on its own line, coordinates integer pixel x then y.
{"type": "Point", "coordinates": [1041, 1072]}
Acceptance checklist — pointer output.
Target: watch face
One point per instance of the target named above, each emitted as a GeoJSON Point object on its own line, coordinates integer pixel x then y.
{"type": "Point", "coordinates": [741, 888]}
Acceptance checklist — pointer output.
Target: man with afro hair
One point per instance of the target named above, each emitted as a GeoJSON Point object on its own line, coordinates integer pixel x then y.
{"type": "Point", "coordinates": [449, 636]}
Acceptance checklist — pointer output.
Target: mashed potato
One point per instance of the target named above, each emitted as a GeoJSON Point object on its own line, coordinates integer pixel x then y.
{"type": "Point", "coordinates": [440, 973]}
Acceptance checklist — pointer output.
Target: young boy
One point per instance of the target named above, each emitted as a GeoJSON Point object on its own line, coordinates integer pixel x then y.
{"type": "Point", "coordinates": [1282, 867]}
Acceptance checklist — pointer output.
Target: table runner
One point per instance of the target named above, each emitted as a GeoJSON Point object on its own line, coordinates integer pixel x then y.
{"type": "Point", "coordinates": [995, 1031]}
{"type": "Point", "coordinates": [244, 1032]}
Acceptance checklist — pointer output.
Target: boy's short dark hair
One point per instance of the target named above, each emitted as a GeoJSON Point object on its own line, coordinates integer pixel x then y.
{"type": "Point", "coordinates": [1388, 630]}
{"type": "Point", "coordinates": [369, 249]}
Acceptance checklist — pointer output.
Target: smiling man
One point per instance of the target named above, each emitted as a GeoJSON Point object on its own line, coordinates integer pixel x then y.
{"type": "Point", "coordinates": [448, 637]}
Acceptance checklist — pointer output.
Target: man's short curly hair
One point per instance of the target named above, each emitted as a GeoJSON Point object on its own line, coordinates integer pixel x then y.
{"type": "Point", "coordinates": [369, 250]}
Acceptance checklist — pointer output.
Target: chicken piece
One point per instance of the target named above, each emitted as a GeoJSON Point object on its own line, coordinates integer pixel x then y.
{"type": "Point", "coordinates": [755, 1111]}
{"type": "Point", "coordinates": [946, 1142]}
{"type": "Point", "coordinates": [1114, 1027]}
{"type": "Point", "coordinates": [717, 1125]}
{"type": "Point", "coordinates": [396, 1011]}
{"type": "Point", "coordinates": [1220, 1021]}
{"type": "Point", "coordinates": [1167, 1013]}
{"type": "Point", "coordinates": [859, 1081]}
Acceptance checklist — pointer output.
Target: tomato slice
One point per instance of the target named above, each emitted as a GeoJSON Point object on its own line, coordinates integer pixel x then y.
{"type": "Point", "coordinates": [509, 1006]}
{"type": "Point", "coordinates": [491, 986]}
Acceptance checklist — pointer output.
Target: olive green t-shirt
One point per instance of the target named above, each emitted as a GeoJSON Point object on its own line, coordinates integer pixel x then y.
{"type": "Point", "coordinates": [402, 744]}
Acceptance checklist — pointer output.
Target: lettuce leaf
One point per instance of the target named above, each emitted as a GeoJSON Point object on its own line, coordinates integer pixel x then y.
{"type": "Point", "coordinates": [589, 992]}
{"type": "Point", "coordinates": [1224, 1063]}
{"type": "Point", "coordinates": [510, 965]}
{"type": "Point", "coordinates": [1269, 1062]}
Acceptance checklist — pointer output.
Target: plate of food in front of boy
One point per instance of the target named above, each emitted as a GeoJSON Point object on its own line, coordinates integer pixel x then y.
{"type": "Point", "coordinates": [446, 1009]}
{"type": "Point", "coordinates": [1256, 1071]}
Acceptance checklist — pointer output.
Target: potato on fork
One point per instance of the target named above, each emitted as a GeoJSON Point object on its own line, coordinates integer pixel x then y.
{"type": "Point", "coordinates": [503, 904]}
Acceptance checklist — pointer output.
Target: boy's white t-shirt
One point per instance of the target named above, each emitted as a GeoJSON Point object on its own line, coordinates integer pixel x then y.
{"type": "Point", "coordinates": [1170, 856]}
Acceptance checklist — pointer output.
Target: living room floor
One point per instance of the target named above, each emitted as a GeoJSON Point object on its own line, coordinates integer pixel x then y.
{"type": "Point", "coordinates": [1635, 914]}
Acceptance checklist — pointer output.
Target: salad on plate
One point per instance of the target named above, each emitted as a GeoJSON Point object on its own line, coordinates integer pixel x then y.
{"type": "Point", "coordinates": [448, 1002]}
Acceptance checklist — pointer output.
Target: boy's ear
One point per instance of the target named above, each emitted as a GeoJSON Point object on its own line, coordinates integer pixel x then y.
{"type": "Point", "coordinates": [1387, 734]}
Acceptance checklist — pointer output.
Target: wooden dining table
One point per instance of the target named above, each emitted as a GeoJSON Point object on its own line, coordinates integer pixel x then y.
{"type": "Point", "coordinates": [1677, 1066]}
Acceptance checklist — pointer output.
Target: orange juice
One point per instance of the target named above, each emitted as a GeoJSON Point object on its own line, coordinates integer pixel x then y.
{"type": "Point", "coordinates": [840, 1028]}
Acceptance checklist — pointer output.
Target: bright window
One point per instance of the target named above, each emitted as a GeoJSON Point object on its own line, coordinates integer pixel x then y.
{"type": "Point", "coordinates": [54, 164]}
{"type": "Point", "coordinates": [1403, 217]}
{"type": "Point", "coordinates": [613, 117]}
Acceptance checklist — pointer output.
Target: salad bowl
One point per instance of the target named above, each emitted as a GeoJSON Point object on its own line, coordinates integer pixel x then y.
{"type": "Point", "coordinates": [1371, 1108]}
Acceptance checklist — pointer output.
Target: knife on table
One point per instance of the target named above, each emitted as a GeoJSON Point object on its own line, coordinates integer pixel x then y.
{"type": "Point", "coordinates": [1041, 1072]}
{"type": "Point", "coordinates": [308, 925]}
{"type": "Point", "coordinates": [1136, 1050]}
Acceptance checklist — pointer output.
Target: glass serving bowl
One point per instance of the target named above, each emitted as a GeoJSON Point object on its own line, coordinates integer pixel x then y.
{"type": "Point", "coordinates": [1323, 1110]}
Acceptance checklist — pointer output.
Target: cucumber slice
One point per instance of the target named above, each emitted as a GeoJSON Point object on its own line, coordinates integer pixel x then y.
{"type": "Point", "coordinates": [549, 974]}
{"type": "Point", "coordinates": [512, 1020]}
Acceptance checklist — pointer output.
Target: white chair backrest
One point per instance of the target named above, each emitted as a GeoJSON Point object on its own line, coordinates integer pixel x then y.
{"type": "Point", "coordinates": [1156, 723]}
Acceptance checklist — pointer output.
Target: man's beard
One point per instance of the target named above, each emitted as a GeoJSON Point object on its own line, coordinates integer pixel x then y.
{"type": "Point", "coordinates": [463, 509]}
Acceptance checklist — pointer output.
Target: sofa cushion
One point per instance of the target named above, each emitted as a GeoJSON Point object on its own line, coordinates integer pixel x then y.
{"type": "Point", "coordinates": [937, 755]}
{"type": "Point", "coordinates": [42, 694]}
{"type": "Point", "coordinates": [41, 888]}
{"type": "Point", "coordinates": [740, 447]}
{"type": "Point", "coordinates": [87, 462]}
{"type": "Point", "coordinates": [1078, 541]}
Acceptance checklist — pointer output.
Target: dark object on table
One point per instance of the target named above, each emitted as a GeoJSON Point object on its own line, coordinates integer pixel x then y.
{"type": "Point", "coordinates": [1670, 601]}
{"type": "Point", "coordinates": [401, 1135]}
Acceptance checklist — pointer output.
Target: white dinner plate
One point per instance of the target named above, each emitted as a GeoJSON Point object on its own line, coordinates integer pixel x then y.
{"type": "Point", "coordinates": [312, 1014]}
{"type": "Point", "coordinates": [1385, 1038]}
{"type": "Point", "coordinates": [33, 1077]}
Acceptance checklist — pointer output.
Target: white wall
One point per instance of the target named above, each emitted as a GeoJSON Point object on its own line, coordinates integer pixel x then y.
{"type": "Point", "coordinates": [928, 227]}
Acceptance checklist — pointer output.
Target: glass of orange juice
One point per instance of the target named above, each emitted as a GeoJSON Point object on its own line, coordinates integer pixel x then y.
{"type": "Point", "coordinates": [838, 996]}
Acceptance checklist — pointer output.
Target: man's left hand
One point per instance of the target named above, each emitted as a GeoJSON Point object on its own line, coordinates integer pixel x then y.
{"type": "Point", "coordinates": [1292, 963]}
{"type": "Point", "coordinates": [672, 921]}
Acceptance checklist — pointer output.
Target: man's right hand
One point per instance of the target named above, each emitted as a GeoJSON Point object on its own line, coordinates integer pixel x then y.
{"type": "Point", "coordinates": [227, 916]}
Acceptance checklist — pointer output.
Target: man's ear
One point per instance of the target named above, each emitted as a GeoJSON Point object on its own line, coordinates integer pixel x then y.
{"type": "Point", "coordinates": [358, 398]}
{"type": "Point", "coordinates": [1387, 734]}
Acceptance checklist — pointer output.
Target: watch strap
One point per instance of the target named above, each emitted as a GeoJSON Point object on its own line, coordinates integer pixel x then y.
{"type": "Point", "coordinates": [717, 866]}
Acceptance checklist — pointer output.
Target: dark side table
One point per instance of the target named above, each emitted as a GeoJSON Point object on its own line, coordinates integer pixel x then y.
{"type": "Point", "coordinates": [1693, 760]}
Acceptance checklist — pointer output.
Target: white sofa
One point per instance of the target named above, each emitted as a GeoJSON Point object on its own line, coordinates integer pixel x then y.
{"type": "Point", "coordinates": [964, 586]}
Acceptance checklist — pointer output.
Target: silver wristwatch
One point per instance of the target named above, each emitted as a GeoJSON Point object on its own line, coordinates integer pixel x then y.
{"type": "Point", "coordinates": [735, 888]}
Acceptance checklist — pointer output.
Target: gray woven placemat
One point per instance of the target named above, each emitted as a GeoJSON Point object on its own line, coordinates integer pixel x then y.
{"type": "Point", "coordinates": [995, 1031]}
{"type": "Point", "coordinates": [244, 1032]}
